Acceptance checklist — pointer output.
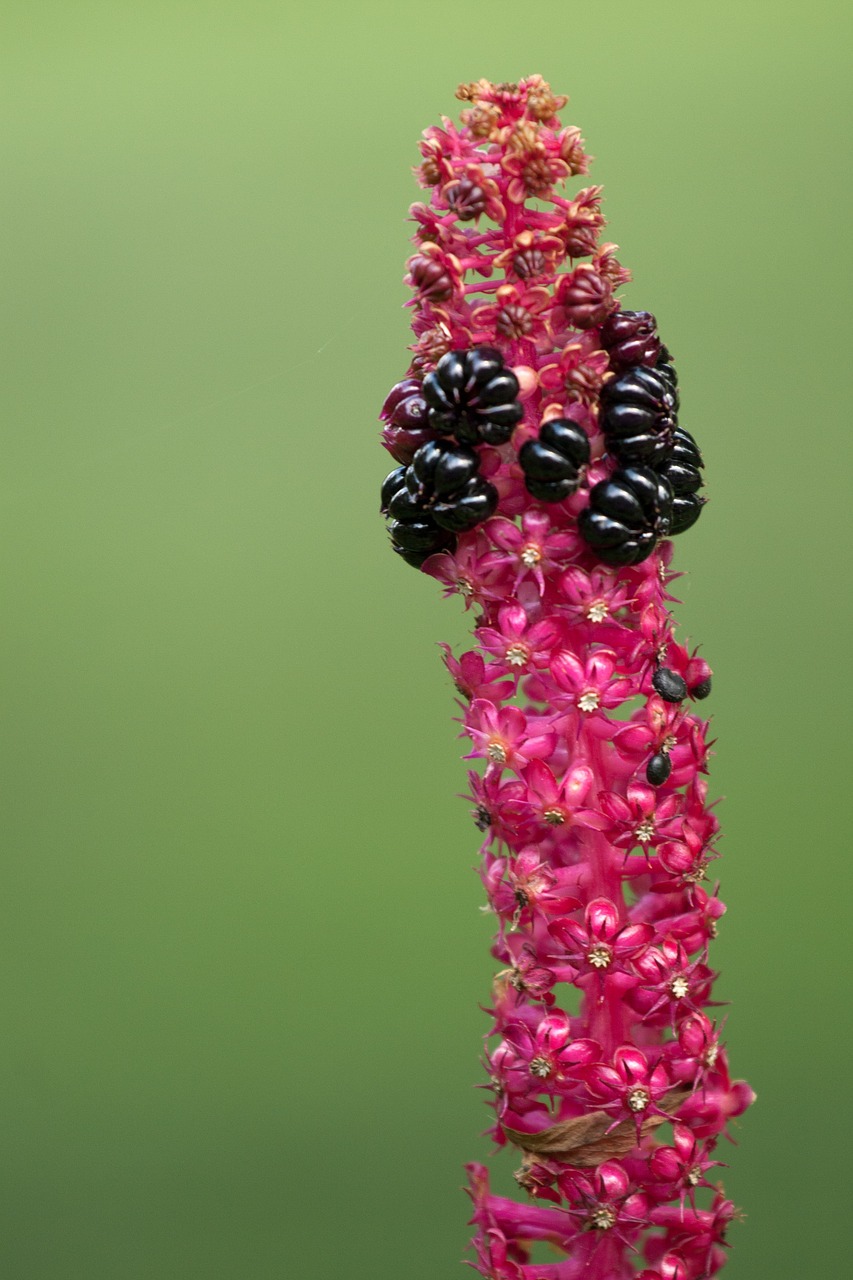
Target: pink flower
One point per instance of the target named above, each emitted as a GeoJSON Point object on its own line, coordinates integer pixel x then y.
{"type": "Point", "coordinates": [501, 737]}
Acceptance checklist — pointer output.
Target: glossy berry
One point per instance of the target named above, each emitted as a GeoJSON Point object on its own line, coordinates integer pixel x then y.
{"type": "Point", "coordinates": [472, 396]}
{"type": "Point", "coordinates": [405, 416]}
{"type": "Point", "coordinates": [702, 689]}
{"type": "Point", "coordinates": [658, 769]}
{"type": "Point", "coordinates": [415, 534]}
{"type": "Point", "coordinates": [638, 416]}
{"type": "Point", "coordinates": [445, 479]}
{"type": "Point", "coordinates": [683, 470]}
{"type": "Point", "coordinates": [630, 338]}
{"type": "Point", "coordinates": [626, 515]}
{"type": "Point", "coordinates": [669, 684]}
{"type": "Point", "coordinates": [665, 366]}
{"type": "Point", "coordinates": [552, 464]}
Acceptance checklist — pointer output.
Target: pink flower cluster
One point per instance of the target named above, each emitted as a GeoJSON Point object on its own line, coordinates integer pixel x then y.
{"type": "Point", "coordinates": [606, 1068]}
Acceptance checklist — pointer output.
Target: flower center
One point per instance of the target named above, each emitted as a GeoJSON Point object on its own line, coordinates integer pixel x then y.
{"type": "Point", "coordinates": [540, 1067]}
{"type": "Point", "coordinates": [518, 654]}
{"type": "Point", "coordinates": [711, 1055]}
{"type": "Point", "coordinates": [599, 956]}
{"type": "Point", "coordinates": [638, 1099]}
{"type": "Point", "coordinates": [645, 831]}
{"type": "Point", "coordinates": [554, 817]}
{"type": "Point", "coordinates": [602, 1217]}
{"type": "Point", "coordinates": [694, 1176]}
{"type": "Point", "coordinates": [465, 587]}
{"type": "Point", "coordinates": [589, 700]}
{"type": "Point", "coordinates": [496, 751]}
{"type": "Point", "coordinates": [530, 555]}
{"type": "Point", "coordinates": [597, 610]}
{"type": "Point", "coordinates": [679, 987]}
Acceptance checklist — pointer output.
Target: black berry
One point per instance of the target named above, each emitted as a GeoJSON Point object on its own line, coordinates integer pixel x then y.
{"type": "Point", "coordinates": [638, 416]}
{"type": "Point", "coordinates": [626, 515]}
{"type": "Point", "coordinates": [472, 396]}
{"type": "Point", "coordinates": [552, 464]}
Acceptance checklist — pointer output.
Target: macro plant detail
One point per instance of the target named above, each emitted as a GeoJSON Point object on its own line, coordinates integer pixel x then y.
{"type": "Point", "coordinates": [541, 473]}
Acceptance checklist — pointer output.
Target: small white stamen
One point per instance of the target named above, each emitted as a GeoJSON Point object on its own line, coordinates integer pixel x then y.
{"type": "Point", "coordinates": [496, 751]}
{"type": "Point", "coordinates": [590, 700]}
{"type": "Point", "coordinates": [599, 956]}
{"type": "Point", "coordinates": [530, 555]}
{"type": "Point", "coordinates": [638, 1099]}
{"type": "Point", "coordinates": [518, 655]}
{"type": "Point", "coordinates": [645, 831]}
{"type": "Point", "coordinates": [540, 1067]}
{"type": "Point", "coordinates": [679, 987]}
{"type": "Point", "coordinates": [597, 611]}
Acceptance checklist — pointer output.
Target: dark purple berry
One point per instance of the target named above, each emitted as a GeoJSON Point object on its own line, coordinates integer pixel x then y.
{"type": "Point", "coordinates": [638, 416]}
{"type": "Point", "coordinates": [669, 684]}
{"type": "Point", "coordinates": [626, 515]}
{"type": "Point", "coordinates": [630, 338]}
{"type": "Point", "coordinates": [466, 198]}
{"type": "Point", "coordinates": [658, 769]}
{"type": "Point", "coordinates": [472, 396]}
{"type": "Point", "coordinates": [552, 464]}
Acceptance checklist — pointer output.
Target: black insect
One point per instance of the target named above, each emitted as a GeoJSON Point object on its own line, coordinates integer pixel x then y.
{"type": "Point", "coordinates": [626, 515]}
{"type": "Point", "coordinates": [630, 338]}
{"type": "Point", "coordinates": [552, 464]}
{"type": "Point", "coordinates": [669, 684]}
{"type": "Point", "coordinates": [658, 769]}
{"type": "Point", "coordinates": [638, 416]}
{"type": "Point", "coordinates": [683, 470]}
{"type": "Point", "coordinates": [472, 396]}
{"type": "Point", "coordinates": [702, 689]}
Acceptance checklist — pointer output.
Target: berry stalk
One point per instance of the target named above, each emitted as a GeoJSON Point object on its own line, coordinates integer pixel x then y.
{"type": "Point", "coordinates": [541, 472]}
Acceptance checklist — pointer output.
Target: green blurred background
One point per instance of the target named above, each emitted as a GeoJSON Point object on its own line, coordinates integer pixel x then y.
{"type": "Point", "coordinates": [242, 951]}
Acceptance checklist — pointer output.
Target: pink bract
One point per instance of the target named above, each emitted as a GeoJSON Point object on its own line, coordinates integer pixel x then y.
{"type": "Point", "coordinates": [589, 770]}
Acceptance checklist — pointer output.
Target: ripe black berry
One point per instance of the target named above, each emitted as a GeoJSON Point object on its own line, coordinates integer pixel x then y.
{"type": "Point", "coordinates": [630, 338]}
{"type": "Point", "coordinates": [702, 689]}
{"type": "Point", "coordinates": [658, 769]}
{"type": "Point", "coordinates": [552, 464]}
{"type": "Point", "coordinates": [669, 684]}
{"type": "Point", "coordinates": [444, 479]}
{"type": "Point", "coordinates": [638, 416]}
{"type": "Point", "coordinates": [683, 470]}
{"type": "Point", "coordinates": [626, 515]}
{"type": "Point", "coordinates": [472, 396]}
{"type": "Point", "coordinates": [415, 535]}
{"type": "Point", "coordinates": [664, 366]}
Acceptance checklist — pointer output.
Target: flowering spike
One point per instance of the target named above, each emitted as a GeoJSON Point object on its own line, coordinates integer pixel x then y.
{"type": "Point", "coordinates": [541, 469]}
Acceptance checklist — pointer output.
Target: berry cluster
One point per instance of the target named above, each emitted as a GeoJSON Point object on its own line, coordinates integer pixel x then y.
{"type": "Point", "coordinates": [541, 470]}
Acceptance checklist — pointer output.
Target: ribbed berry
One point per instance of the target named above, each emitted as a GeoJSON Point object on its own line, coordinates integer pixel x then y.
{"type": "Point", "coordinates": [638, 416]}
{"type": "Point", "coordinates": [630, 338]}
{"type": "Point", "coordinates": [552, 464]}
{"type": "Point", "coordinates": [626, 516]}
{"type": "Point", "coordinates": [683, 471]}
{"type": "Point", "coordinates": [444, 480]}
{"type": "Point", "coordinates": [405, 416]}
{"type": "Point", "coordinates": [466, 198]}
{"type": "Point", "coordinates": [472, 396]}
{"type": "Point", "coordinates": [415, 534]}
